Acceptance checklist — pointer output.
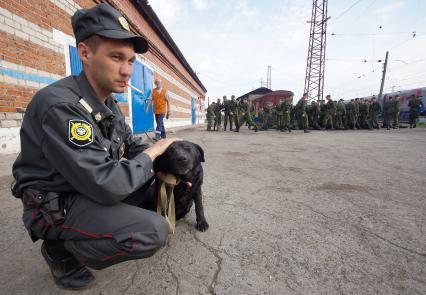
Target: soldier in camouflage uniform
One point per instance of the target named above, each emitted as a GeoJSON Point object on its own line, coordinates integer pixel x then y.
{"type": "Point", "coordinates": [286, 107]}
{"type": "Point", "coordinates": [363, 114]}
{"type": "Point", "coordinates": [217, 116]}
{"type": "Point", "coordinates": [265, 118]}
{"type": "Point", "coordinates": [414, 104]}
{"type": "Point", "coordinates": [387, 112]}
{"type": "Point", "coordinates": [243, 115]}
{"type": "Point", "coordinates": [374, 112]}
{"type": "Point", "coordinates": [357, 114]}
{"type": "Point", "coordinates": [340, 114]}
{"type": "Point", "coordinates": [308, 111]}
{"type": "Point", "coordinates": [232, 106]}
{"type": "Point", "coordinates": [280, 114]}
{"type": "Point", "coordinates": [252, 110]}
{"type": "Point", "coordinates": [350, 114]}
{"type": "Point", "coordinates": [330, 111]}
{"type": "Point", "coordinates": [395, 112]}
{"type": "Point", "coordinates": [323, 112]}
{"type": "Point", "coordinates": [314, 115]}
{"type": "Point", "coordinates": [300, 112]}
{"type": "Point", "coordinates": [273, 123]}
{"type": "Point", "coordinates": [293, 117]}
{"type": "Point", "coordinates": [227, 109]}
{"type": "Point", "coordinates": [210, 116]}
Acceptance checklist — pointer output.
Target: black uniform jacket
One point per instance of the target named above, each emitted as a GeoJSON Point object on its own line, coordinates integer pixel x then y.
{"type": "Point", "coordinates": [73, 142]}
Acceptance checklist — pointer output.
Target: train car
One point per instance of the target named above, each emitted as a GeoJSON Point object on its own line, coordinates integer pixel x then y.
{"type": "Point", "coordinates": [404, 98]}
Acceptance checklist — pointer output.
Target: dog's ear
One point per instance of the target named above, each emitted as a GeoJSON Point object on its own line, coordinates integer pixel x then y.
{"type": "Point", "coordinates": [160, 164]}
{"type": "Point", "coordinates": [200, 151]}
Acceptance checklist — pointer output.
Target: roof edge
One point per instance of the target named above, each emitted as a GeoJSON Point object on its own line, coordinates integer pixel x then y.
{"type": "Point", "coordinates": [155, 22]}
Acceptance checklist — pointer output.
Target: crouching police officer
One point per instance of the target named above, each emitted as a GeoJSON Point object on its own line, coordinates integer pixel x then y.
{"type": "Point", "coordinates": [81, 175]}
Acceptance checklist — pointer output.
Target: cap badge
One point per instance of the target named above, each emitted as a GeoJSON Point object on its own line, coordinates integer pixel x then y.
{"type": "Point", "coordinates": [98, 117]}
{"type": "Point", "coordinates": [124, 24]}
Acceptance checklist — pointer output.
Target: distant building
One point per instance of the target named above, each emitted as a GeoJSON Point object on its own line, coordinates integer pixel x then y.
{"type": "Point", "coordinates": [255, 93]}
{"type": "Point", "coordinates": [263, 96]}
{"type": "Point", "coordinates": [273, 98]}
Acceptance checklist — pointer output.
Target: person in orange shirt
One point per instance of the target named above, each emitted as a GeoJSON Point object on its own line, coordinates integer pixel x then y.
{"type": "Point", "coordinates": [160, 96]}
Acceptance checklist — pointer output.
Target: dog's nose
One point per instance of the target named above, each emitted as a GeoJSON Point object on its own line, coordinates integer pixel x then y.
{"type": "Point", "coordinates": [182, 159]}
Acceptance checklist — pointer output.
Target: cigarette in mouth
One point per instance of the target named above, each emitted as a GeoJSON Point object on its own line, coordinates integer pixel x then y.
{"type": "Point", "coordinates": [136, 89]}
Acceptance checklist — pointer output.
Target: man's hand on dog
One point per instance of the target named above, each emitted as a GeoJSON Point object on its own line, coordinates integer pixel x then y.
{"type": "Point", "coordinates": [159, 147]}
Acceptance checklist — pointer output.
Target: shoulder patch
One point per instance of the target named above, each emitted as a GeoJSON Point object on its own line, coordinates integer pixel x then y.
{"type": "Point", "coordinates": [80, 132]}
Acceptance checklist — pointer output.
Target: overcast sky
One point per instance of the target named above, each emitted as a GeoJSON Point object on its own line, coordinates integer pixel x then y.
{"type": "Point", "coordinates": [230, 43]}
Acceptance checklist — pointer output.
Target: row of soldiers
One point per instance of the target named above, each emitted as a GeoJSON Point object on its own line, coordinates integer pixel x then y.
{"type": "Point", "coordinates": [358, 113]}
{"type": "Point", "coordinates": [236, 112]}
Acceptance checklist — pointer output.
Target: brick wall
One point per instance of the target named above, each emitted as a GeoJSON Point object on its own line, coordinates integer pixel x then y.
{"type": "Point", "coordinates": [31, 56]}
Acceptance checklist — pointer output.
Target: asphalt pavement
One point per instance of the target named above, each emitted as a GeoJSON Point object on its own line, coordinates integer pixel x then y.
{"type": "Point", "coordinates": [338, 212]}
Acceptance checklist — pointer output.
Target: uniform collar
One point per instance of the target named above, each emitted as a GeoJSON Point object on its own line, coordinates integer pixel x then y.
{"type": "Point", "coordinates": [100, 110]}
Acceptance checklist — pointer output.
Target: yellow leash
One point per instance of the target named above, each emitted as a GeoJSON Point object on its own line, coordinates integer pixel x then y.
{"type": "Point", "coordinates": [166, 200]}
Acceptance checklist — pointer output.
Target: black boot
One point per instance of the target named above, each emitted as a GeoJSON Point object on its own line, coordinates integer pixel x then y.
{"type": "Point", "coordinates": [67, 271]}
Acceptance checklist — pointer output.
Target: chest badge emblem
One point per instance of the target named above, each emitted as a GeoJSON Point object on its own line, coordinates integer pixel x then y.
{"type": "Point", "coordinates": [80, 132]}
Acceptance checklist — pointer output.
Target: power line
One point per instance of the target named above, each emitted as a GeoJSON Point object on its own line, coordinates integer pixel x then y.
{"type": "Point", "coordinates": [345, 11]}
{"type": "Point", "coordinates": [417, 82]}
{"type": "Point", "coordinates": [379, 34]}
{"type": "Point", "coordinates": [354, 60]}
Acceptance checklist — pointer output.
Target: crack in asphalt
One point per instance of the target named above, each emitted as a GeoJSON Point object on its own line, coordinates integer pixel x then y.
{"type": "Point", "coordinates": [218, 261]}
{"type": "Point", "coordinates": [169, 267]}
{"type": "Point", "coordinates": [184, 270]}
{"type": "Point", "coordinates": [11, 244]}
{"type": "Point", "coordinates": [312, 209]}
{"type": "Point", "coordinates": [364, 229]}
{"type": "Point", "coordinates": [132, 280]}
{"type": "Point", "coordinates": [288, 286]}
{"type": "Point", "coordinates": [392, 243]}
{"type": "Point", "coordinates": [335, 219]}
{"type": "Point", "coordinates": [174, 276]}
{"type": "Point", "coordinates": [258, 211]}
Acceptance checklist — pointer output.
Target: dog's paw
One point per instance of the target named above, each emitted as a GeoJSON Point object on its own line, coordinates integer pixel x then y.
{"type": "Point", "coordinates": [202, 225]}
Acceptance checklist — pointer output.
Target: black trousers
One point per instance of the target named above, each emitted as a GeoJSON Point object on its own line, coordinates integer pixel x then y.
{"type": "Point", "coordinates": [100, 236]}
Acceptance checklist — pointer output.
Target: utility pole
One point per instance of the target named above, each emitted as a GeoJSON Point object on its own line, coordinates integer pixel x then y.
{"type": "Point", "coordinates": [383, 75]}
{"type": "Point", "coordinates": [268, 79]}
{"type": "Point", "coordinates": [261, 82]}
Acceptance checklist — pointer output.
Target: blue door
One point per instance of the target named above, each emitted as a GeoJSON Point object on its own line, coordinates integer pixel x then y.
{"type": "Point", "coordinates": [76, 64]}
{"type": "Point", "coordinates": [193, 111]}
{"type": "Point", "coordinates": [142, 79]}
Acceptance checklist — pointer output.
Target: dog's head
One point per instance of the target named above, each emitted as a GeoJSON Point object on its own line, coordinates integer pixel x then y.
{"type": "Point", "coordinates": [179, 159]}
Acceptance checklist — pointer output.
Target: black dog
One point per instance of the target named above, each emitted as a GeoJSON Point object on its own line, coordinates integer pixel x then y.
{"type": "Point", "coordinates": [183, 159]}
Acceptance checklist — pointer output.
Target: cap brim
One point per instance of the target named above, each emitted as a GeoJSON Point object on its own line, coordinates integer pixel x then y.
{"type": "Point", "coordinates": [139, 42]}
